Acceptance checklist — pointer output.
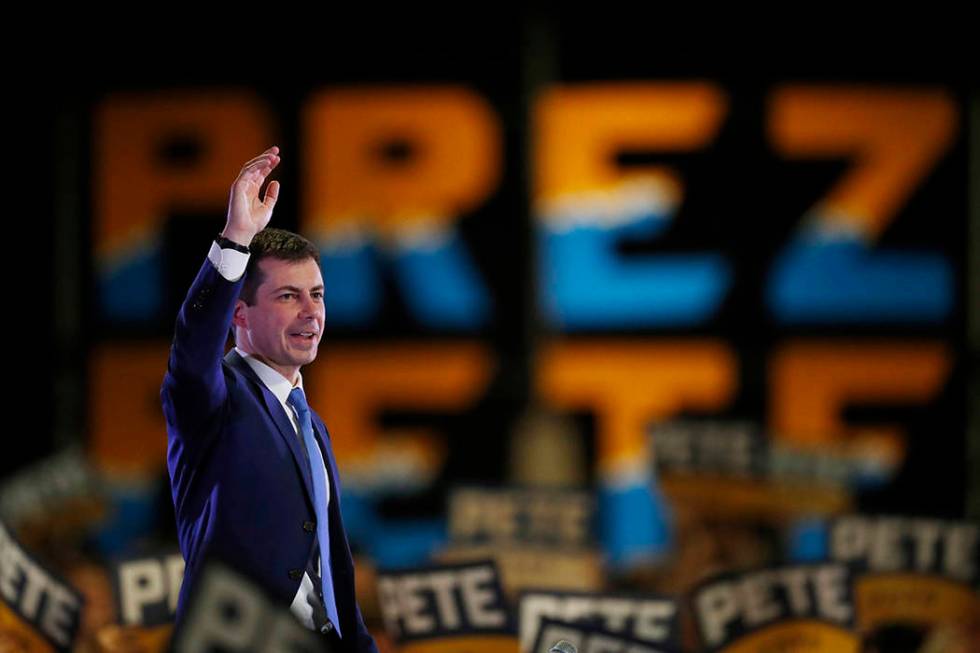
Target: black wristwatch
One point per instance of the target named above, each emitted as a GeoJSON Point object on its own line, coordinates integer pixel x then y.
{"type": "Point", "coordinates": [225, 243]}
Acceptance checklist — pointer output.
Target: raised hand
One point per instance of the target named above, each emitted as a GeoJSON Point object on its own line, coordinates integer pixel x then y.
{"type": "Point", "coordinates": [247, 214]}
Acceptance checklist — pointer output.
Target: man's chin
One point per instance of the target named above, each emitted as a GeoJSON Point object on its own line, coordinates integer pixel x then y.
{"type": "Point", "coordinates": [305, 357]}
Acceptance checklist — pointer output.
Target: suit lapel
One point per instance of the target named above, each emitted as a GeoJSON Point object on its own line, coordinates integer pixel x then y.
{"type": "Point", "coordinates": [328, 462]}
{"type": "Point", "coordinates": [285, 426]}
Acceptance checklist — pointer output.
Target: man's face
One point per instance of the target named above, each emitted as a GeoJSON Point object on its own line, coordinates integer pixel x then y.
{"type": "Point", "coordinates": [284, 324]}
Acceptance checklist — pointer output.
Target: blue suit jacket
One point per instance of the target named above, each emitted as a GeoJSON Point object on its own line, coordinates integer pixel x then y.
{"type": "Point", "coordinates": [238, 474]}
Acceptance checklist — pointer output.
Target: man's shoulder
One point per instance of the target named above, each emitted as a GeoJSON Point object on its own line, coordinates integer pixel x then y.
{"type": "Point", "coordinates": [234, 367]}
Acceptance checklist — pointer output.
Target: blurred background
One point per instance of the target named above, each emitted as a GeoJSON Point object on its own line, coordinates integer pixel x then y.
{"type": "Point", "coordinates": [618, 313]}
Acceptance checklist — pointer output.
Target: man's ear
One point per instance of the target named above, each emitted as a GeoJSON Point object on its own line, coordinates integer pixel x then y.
{"type": "Point", "coordinates": [239, 317]}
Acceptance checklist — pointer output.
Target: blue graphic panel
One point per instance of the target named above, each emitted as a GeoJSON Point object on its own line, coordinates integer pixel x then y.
{"type": "Point", "coordinates": [130, 287]}
{"type": "Point", "coordinates": [391, 543]}
{"type": "Point", "coordinates": [586, 283]}
{"type": "Point", "coordinates": [634, 522]}
{"type": "Point", "coordinates": [808, 541]}
{"type": "Point", "coordinates": [438, 280]}
{"type": "Point", "coordinates": [839, 279]}
{"type": "Point", "coordinates": [441, 285]}
{"type": "Point", "coordinates": [353, 292]}
{"type": "Point", "coordinates": [130, 516]}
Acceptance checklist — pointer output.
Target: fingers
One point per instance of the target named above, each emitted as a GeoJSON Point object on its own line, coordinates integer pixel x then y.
{"type": "Point", "coordinates": [271, 154]}
{"type": "Point", "coordinates": [272, 151]}
{"type": "Point", "coordinates": [271, 195]}
{"type": "Point", "coordinates": [259, 167]}
{"type": "Point", "coordinates": [248, 212]}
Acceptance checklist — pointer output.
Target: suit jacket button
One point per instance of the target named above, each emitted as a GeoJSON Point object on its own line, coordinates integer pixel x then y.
{"type": "Point", "coordinates": [295, 574]}
{"type": "Point", "coordinates": [309, 526]}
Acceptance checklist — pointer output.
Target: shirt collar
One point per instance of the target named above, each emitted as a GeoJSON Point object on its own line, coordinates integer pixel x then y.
{"type": "Point", "coordinates": [273, 380]}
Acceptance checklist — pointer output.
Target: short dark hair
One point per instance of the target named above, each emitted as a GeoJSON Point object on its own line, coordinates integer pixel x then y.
{"type": "Point", "coordinates": [278, 244]}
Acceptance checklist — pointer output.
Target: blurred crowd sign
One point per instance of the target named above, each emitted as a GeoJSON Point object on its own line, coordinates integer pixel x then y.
{"type": "Point", "coordinates": [530, 566]}
{"type": "Point", "coordinates": [910, 570]}
{"type": "Point", "coordinates": [562, 518]}
{"type": "Point", "coordinates": [537, 537]}
{"type": "Point", "coordinates": [227, 612]}
{"type": "Point", "coordinates": [147, 588]}
{"type": "Point", "coordinates": [798, 608]}
{"type": "Point", "coordinates": [588, 639]}
{"type": "Point", "coordinates": [741, 449]}
{"type": "Point", "coordinates": [647, 618]}
{"type": "Point", "coordinates": [38, 611]}
{"type": "Point", "coordinates": [61, 487]}
{"type": "Point", "coordinates": [948, 549]}
{"type": "Point", "coordinates": [112, 638]}
{"type": "Point", "coordinates": [446, 608]}
{"type": "Point", "coordinates": [731, 469]}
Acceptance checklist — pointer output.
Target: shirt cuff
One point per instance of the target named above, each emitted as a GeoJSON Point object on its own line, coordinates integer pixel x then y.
{"type": "Point", "coordinates": [229, 263]}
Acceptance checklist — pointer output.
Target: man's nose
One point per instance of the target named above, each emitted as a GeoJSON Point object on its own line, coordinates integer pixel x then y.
{"type": "Point", "coordinates": [311, 307]}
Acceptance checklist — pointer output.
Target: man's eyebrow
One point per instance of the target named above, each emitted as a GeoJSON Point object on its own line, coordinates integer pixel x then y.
{"type": "Point", "coordinates": [295, 288]}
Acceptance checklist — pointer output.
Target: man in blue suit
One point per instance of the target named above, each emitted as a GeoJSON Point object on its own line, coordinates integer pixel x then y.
{"type": "Point", "coordinates": [252, 472]}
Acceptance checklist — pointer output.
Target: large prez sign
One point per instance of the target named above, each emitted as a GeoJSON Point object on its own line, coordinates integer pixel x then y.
{"type": "Point", "coordinates": [620, 237]}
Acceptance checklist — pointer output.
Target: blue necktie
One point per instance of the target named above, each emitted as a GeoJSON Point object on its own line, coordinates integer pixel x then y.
{"type": "Point", "coordinates": [298, 401]}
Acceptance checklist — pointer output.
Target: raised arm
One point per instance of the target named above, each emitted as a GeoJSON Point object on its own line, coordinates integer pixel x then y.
{"type": "Point", "coordinates": [194, 385]}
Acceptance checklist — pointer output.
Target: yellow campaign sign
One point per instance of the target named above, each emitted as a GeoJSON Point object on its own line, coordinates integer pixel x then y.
{"type": "Point", "coordinates": [468, 643]}
{"type": "Point", "coordinates": [17, 635]}
{"type": "Point", "coordinates": [797, 636]}
{"type": "Point", "coordinates": [134, 638]}
{"type": "Point", "coordinates": [883, 599]}
{"type": "Point", "coordinates": [523, 567]}
{"type": "Point", "coordinates": [739, 498]}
